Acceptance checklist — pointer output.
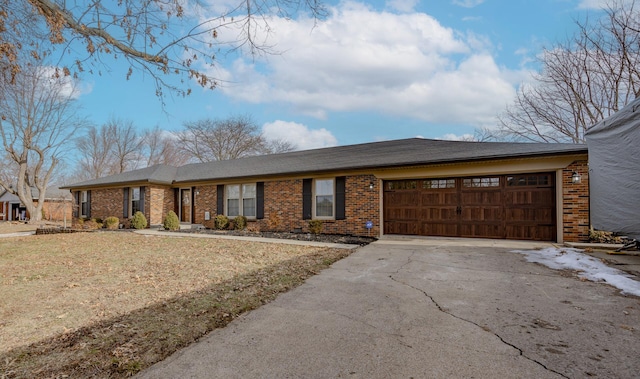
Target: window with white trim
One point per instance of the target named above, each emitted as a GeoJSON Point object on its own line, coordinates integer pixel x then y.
{"type": "Point", "coordinates": [324, 198]}
{"type": "Point", "coordinates": [241, 200]}
{"type": "Point", "coordinates": [134, 198]}
{"type": "Point", "coordinates": [84, 204]}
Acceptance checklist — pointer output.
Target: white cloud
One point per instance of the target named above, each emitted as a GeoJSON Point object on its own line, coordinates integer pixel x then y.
{"type": "Point", "coordinates": [591, 4]}
{"type": "Point", "coordinates": [405, 65]}
{"type": "Point", "coordinates": [600, 4]}
{"type": "Point", "coordinates": [455, 137]}
{"type": "Point", "coordinates": [66, 87]}
{"type": "Point", "coordinates": [467, 3]}
{"type": "Point", "coordinates": [299, 135]}
{"type": "Point", "coordinates": [402, 5]}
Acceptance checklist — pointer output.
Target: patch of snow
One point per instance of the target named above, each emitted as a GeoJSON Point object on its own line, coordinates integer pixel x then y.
{"type": "Point", "coordinates": [587, 266]}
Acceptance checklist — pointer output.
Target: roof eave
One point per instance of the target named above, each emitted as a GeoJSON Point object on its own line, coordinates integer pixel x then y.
{"type": "Point", "coordinates": [117, 184]}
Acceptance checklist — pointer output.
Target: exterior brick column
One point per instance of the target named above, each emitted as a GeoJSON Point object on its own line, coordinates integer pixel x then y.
{"type": "Point", "coordinates": [575, 204]}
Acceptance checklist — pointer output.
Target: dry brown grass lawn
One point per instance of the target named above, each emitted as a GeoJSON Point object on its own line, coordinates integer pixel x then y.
{"type": "Point", "coordinates": [109, 304]}
{"type": "Point", "coordinates": [15, 226]}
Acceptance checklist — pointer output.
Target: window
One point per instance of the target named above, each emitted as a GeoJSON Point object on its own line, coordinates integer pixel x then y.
{"type": "Point", "coordinates": [135, 200]}
{"type": "Point", "coordinates": [402, 185]}
{"type": "Point", "coordinates": [249, 200]}
{"type": "Point", "coordinates": [529, 180]}
{"type": "Point", "coordinates": [241, 200]}
{"type": "Point", "coordinates": [84, 204]}
{"type": "Point", "coordinates": [481, 182]}
{"type": "Point", "coordinates": [439, 183]}
{"type": "Point", "coordinates": [323, 195]}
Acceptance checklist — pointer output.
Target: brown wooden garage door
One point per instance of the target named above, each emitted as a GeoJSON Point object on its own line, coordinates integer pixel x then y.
{"type": "Point", "coordinates": [506, 206]}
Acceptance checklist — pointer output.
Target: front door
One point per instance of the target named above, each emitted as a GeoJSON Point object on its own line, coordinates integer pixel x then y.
{"type": "Point", "coordinates": [185, 205]}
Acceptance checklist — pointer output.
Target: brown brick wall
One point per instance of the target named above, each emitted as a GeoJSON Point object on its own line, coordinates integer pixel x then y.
{"type": "Point", "coordinates": [575, 204]}
{"type": "Point", "coordinates": [158, 201]}
{"type": "Point", "coordinates": [206, 197]}
{"type": "Point", "coordinates": [107, 203]}
{"type": "Point", "coordinates": [283, 207]}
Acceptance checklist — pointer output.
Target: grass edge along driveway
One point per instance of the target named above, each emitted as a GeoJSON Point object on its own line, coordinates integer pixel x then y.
{"type": "Point", "coordinates": [238, 276]}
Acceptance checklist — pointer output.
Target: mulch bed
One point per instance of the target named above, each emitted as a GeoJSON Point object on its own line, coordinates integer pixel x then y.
{"type": "Point", "coordinates": [330, 238]}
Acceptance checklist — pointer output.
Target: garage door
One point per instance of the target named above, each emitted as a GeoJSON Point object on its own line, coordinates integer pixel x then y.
{"type": "Point", "coordinates": [506, 206]}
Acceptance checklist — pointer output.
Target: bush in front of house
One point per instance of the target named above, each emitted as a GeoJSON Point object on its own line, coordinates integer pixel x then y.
{"type": "Point", "coordinates": [138, 221]}
{"type": "Point", "coordinates": [171, 221]}
{"type": "Point", "coordinates": [92, 224]}
{"type": "Point", "coordinates": [111, 222]}
{"type": "Point", "coordinates": [240, 223]}
{"type": "Point", "coordinates": [222, 222]}
{"type": "Point", "coordinates": [315, 226]}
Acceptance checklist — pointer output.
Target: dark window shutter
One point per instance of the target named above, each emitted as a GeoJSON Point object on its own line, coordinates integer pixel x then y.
{"type": "Point", "coordinates": [220, 200]}
{"type": "Point", "coordinates": [176, 201]}
{"type": "Point", "coordinates": [142, 199]}
{"type": "Point", "coordinates": [307, 199]}
{"type": "Point", "coordinates": [340, 198]}
{"type": "Point", "coordinates": [193, 205]}
{"type": "Point", "coordinates": [125, 206]}
{"type": "Point", "coordinates": [260, 200]}
{"type": "Point", "coordinates": [88, 204]}
{"type": "Point", "coordinates": [76, 204]}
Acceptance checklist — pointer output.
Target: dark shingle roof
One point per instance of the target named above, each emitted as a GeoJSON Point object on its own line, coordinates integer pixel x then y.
{"type": "Point", "coordinates": [397, 153]}
{"type": "Point", "coordinates": [406, 152]}
{"type": "Point", "coordinates": [158, 174]}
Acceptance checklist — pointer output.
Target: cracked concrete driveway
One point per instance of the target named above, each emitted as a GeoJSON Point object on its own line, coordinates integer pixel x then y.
{"type": "Point", "coordinates": [426, 308]}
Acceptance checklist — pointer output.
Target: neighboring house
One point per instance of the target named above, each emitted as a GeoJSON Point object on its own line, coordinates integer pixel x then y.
{"type": "Point", "coordinates": [57, 206]}
{"type": "Point", "coordinates": [413, 187]}
{"type": "Point", "coordinates": [614, 169]}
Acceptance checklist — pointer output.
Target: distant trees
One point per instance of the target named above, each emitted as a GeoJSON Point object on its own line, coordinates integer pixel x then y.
{"type": "Point", "coordinates": [109, 149]}
{"type": "Point", "coordinates": [161, 147]}
{"type": "Point", "coordinates": [236, 137]}
{"type": "Point", "coordinates": [117, 146]}
{"type": "Point", "coordinates": [582, 81]}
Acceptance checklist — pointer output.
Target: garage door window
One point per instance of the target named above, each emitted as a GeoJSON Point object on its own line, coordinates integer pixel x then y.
{"type": "Point", "coordinates": [439, 183]}
{"type": "Point", "coordinates": [528, 180]}
{"type": "Point", "coordinates": [402, 185]}
{"type": "Point", "coordinates": [481, 182]}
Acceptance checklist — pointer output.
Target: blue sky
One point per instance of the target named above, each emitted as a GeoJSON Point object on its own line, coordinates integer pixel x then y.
{"type": "Point", "coordinates": [371, 71]}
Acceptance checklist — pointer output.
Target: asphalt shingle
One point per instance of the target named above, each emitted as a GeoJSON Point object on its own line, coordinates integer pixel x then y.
{"type": "Point", "coordinates": [397, 153]}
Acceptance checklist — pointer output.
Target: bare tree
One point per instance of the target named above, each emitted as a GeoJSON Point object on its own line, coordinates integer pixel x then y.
{"type": "Point", "coordinates": [95, 151]}
{"type": "Point", "coordinates": [582, 81]}
{"type": "Point", "coordinates": [159, 37]}
{"type": "Point", "coordinates": [112, 148]}
{"type": "Point", "coordinates": [273, 146]}
{"type": "Point", "coordinates": [126, 146]}
{"type": "Point", "coordinates": [161, 147]}
{"type": "Point", "coordinates": [216, 140]}
{"type": "Point", "coordinates": [37, 118]}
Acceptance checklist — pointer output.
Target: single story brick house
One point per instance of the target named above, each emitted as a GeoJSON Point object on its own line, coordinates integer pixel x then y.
{"type": "Point", "coordinates": [525, 191]}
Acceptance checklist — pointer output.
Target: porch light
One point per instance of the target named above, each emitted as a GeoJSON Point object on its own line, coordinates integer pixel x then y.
{"type": "Point", "coordinates": [576, 178]}
{"type": "Point", "coordinates": [371, 185]}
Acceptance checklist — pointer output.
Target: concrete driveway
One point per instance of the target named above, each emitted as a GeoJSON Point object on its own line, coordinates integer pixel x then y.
{"type": "Point", "coordinates": [427, 308]}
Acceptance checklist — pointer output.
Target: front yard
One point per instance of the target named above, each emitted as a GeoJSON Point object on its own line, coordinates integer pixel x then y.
{"type": "Point", "coordinates": [109, 304]}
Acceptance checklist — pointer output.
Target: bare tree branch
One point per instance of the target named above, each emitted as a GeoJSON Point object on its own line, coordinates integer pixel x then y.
{"type": "Point", "coordinates": [582, 81]}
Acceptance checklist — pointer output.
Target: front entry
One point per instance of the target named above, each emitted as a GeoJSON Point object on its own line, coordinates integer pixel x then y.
{"type": "Point", "coordinates": [185, 205]}
{"type": "Point", "coordinates": [501, 206]}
